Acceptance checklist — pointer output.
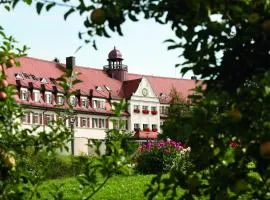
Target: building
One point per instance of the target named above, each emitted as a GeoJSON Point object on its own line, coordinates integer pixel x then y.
{"type": "Point", "coordinates": [148, 97]}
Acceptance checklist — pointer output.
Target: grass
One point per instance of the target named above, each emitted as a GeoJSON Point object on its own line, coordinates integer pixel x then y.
{"type": "Point", "coordinates": [118, 187]}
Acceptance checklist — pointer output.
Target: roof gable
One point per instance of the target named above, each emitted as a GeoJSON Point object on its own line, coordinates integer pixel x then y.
{"type": "Point", "coordinates": [145, 89]}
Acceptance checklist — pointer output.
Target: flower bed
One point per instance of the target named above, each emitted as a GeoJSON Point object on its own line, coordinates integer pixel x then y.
{"type": "Point", "coordinates": [154, 129]}
{"type": "Point", "coordinates": [159, 156]}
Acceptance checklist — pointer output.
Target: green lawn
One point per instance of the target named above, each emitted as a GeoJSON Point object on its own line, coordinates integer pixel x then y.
{"type": "Point", "coordinates": [118, 187]}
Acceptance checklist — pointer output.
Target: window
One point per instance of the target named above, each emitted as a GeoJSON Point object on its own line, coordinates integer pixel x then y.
{"type": "Point", "coordinates": [83, 122]}
{"type": "Point", "coordinates": [43, 80]}
{"type": "Point", "coordinates": [48, 98]}
{"type": "Point", "coordinates": [136, 127]}
{"type": "Point", "coordinates": [145, 107]}
{"type": "Point", "coordinates": [24, 94]}
{"type": "Point", "coordinates": [164, 110]}
{"type": "Point", "coordinates": [19, 76]}
{"type": "Point", "coordinates": [161, 123]}
{"type": "Point", "coordinates": [116, 124]}
{"type": "Point", "coordinates": [99, 88]}
{"type": "Point", "coordinates": [35, 118]}
{"type": "Point", "coordinates": [99, 123]}
{"type": "Point", "coordinates": [145, 110]}
{"type": "Point", "coordinates": [73, 100]}
{"type": "Point", "coordinates": [94, 123]}
{"type": "Point", "coordinates": [107, 88]}
{"type": "Point", "coordinates": [48, 118]}
{"type": "Point", "coordinates": [154, 110]}
{"type": "Point", "coordinates": [154, 128]}
{"type": "Point", "coordinates": [136, 108]}
{"type": "Point", "coordinates": [145, 127]}
{"type": "Point", "coordinates": [24, 118]}
{"type": "Point", "coordinates": [36, 96]}
{"type": "Point", "coordinates": [60, 99]}
{"type": "Point", "coordinates": [84, 102]}
{"type": "Point", "coordinates": [100, 104]}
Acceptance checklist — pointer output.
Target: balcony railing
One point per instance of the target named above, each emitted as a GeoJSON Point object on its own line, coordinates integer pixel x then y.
{"type": "Point", "coordinates": [123, 67]}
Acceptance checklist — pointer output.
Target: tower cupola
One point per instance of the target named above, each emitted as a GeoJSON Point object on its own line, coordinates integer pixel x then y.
{"type": "Point", "coordinates": [115, 69]}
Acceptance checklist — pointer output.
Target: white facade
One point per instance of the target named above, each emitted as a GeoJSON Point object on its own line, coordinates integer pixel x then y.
{"type": "Point", "coordinates": [143, 108]}
{"type": "Point", "coordinates": [144, 97]}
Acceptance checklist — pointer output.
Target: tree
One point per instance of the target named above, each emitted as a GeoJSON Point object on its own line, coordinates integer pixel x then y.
{"type": "Point", "coordinates": [177, 125]}
{"type": "Point", "coordinates": [226, 43]}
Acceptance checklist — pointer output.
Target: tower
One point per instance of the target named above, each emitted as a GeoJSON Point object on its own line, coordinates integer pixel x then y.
{"type": "Point", "coordinates": [115, 69]}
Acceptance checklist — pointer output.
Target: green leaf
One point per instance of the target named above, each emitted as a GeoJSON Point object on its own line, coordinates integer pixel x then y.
{"type": "Point", "coordinates": [255, 176]}
{"type": "Point", "coordinates": [49, 6]}
{"type": "Point", "coordinates": [169, 40]}
{"type": "Point", "coordinates": [71, 10]}
{"type": "Point", "coordinates": [132, 17]}
{"type": "Point", "coordinates": [39, 7]}
{"type": "Point", "coordinates": [29, 2]}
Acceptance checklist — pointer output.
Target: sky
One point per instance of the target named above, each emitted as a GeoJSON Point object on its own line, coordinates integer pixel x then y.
{"type": "Point", "coordinates": [49, 37]}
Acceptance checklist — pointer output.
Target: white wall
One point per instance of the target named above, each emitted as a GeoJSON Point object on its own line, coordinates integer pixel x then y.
{"type": "Point", "coordinates": [149, 100]}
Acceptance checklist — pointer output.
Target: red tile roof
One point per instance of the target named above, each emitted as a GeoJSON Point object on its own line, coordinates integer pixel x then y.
{"type": "Point", "coordinates": [163, 85]}
{"type": "Point", "coordinates": [92, 78]}
{"type": "Point", "coordinates": [129, 87]}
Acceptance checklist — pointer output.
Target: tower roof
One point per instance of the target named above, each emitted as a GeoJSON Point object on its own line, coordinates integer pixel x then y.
{"type": "Point", "coordinates": [115, 54]}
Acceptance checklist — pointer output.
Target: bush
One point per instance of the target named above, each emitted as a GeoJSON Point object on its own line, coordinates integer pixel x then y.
{"type": "Point", "coordinates": [42, 165]}
{"type": "Point", "coordinates": [159, 157]}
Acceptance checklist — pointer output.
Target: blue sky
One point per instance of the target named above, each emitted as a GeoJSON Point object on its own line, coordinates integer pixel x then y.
{"type": "Point", "coordinates": [49, 36]}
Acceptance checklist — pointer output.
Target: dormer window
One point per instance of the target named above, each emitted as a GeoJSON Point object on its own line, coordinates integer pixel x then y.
{"type": "Point", "coordinates": [43, 80]}
{"type": "Point", "coordinates": [99, 88]}
{"type": "Point", "coordinates": [73, 100]}
{"type": "Point", "coordinates": [36, 96]}
{"type": "Point", "coordinates": [99, 103]}
{"type": "Point", "coordinates": [84, 102]}
{"type": "Point", "coordinates": [48, 97]}
{"type": "Point", "coordinates": [162, 95]}
{"type": "Point", "coordinates": [19, 76]}
{"type": "Point", "coordinates": [24, 94]}
{"type": "Point", "coordinates": [60, 99]}
{"type": "Point", "coordinates": [107, 88]}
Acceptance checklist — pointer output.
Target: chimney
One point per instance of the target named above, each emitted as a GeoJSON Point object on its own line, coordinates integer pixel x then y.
{"type": "Point", "coordinates": [194, 78]}
{"type": "Point", "coordinates": [70, 62]}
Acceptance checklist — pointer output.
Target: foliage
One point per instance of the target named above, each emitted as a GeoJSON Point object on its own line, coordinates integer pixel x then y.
{"type": "Point", "coordinates": [52, 166]}
{"type": "Point", "coordinates": [101, 168]}
{"type": "Point", "coordinates": [157, 157]}
{"type": "Point", "coordinates": [16, 181]}
{"type": "Point", "coordinates": [118, 187]}
{"type": "Point", "coordinates": [176, 126]}
{"type": "Point", "coordinates": [225, 42]}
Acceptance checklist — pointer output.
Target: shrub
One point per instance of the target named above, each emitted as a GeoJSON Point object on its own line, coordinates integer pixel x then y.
{"type": "Point", "coordinates": [47, 166]}
{"type": "Point", "coordinates": [159, 156]}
